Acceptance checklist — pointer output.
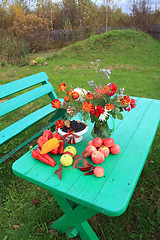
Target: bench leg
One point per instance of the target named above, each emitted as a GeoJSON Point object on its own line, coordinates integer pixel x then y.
{"type": "Point", "coordinates": [75, 219]}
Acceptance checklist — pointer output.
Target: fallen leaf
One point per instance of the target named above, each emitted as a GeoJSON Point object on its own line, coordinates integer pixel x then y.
{"type": "Point", "coordinates": [16, 226]}
{"type": "Point", "coordinates": [84, 169]}
{"type": "Point", "coordinates": [89, 173]}
{"type": "Point", "coordinates": [76, 162]}
{"type": "Point", "coordinates": [59, 171]}
{"type": "Point", "coordinates": [36, 201]}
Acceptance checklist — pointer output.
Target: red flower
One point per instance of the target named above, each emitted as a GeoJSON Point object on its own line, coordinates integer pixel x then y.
{"type": "Point", "coordinates": [113, 89]}
{"type": "Point", "coordinates": [59, 124]}
{"type": "Point", "coordinates": [98, 110]}
{"type": "Point", "coordinates": [109, 106]}
{"type": "Point", "coordinates": [127, 99]}
{"type": "Point", "coordinates": [87, 106]}
{"type": "Point", "coordinates": [98, 91]}
{"type": "Point", "coordinates": [75, 95]}
{"type": "Point", "coordinates": [133, 103]}
{"type": "Point", "coordinates": [89, 96]}
{"type": "Point", "coordinates": [106, 89]}
{"type": "Point", "coordinates": [62, 87]}
{"type": "Point", "coordinates": [66, 98]}
{"type": "Point", "coordinates": [56, 103]}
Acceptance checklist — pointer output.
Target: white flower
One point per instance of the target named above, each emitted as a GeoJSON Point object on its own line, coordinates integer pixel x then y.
{"type": "Point", "coordinates": [82, 93]}
{"type": "Point", "coordinates": [69, 110]}
{"type": "Point", "coordinates": [102, 70]}
{"type": "Point", "coordinates": [109, 71]}
{"type": "Point", "coordinates": [103, 116]}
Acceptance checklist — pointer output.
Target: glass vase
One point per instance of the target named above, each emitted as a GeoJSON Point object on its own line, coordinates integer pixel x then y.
{"type": "Point", "coordinates": [102, 130]}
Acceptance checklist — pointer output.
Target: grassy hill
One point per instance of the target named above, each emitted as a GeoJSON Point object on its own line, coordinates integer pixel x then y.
{"type": "Point", "coordinates": [134, 58]}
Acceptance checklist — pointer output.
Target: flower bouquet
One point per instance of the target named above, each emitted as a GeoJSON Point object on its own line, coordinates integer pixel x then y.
{"type": "Point", "coordinates": [99, 103]}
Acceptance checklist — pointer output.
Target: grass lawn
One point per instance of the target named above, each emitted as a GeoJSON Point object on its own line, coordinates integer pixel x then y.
{"type": "Point", "coordinates": [134, 59]}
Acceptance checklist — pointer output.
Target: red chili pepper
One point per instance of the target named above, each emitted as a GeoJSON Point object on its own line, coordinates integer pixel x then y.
{"type": "Point", "coordinates": [40, 142]}
{"type": "Point", "coordinates": [61, 147]}
{"type": "Point", "coordinates": [47, 134]}
{"type": "Point", "coordinates": [57, 135]}
{"type": "Point", "coordinates": [44, 158]}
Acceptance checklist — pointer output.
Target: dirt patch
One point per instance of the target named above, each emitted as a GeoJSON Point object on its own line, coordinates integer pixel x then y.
{"type": "Point", "coordinates": [128, 67]}
{"type": "Point", "coordinates": [74, 66]}
{"type": "Point", "coordinates": [56, 67]}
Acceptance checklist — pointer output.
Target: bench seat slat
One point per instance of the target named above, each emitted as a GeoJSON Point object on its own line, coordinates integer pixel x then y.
{"type": "Point", "coordinates": [25, 122]}
{"type": "Point", "coordinates": [18, 85]}
{"type": "Point", "coordinates": [23, 99]}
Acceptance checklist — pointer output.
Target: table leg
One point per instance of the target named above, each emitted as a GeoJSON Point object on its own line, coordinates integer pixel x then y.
{"type": "Point", "coordinates": [75, 219]}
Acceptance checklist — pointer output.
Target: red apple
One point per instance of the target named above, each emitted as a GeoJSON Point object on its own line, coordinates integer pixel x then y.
{"type": "Point", "coordinates": [90, 149]}
{"type": "Point", "coordinates": [90, 143]}
{"type": "Point", "coordinates": [97, 142]}
{"type": "Point", "coordinates": [108, 142]}
{"type": "Point", "coordinates": [104, 150]}
{"type": "Point", "coordinates": [98, 171]}
{"type": "Point", "coordinates": [115, 149]}
{"type": "Point", "coordinates": [97, 157]}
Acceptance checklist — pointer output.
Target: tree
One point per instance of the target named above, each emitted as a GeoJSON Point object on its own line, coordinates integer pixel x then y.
{"type": "Point", "coordinates": [84, 9]}
{"type": "Point", "coordinates": [29, 27]}
{"type": "Point", "coordinates": [107, 4]}
{"type": "Point", "coordinates": [142, 14]}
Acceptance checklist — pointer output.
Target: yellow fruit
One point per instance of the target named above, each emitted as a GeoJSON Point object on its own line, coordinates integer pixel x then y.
{"type": "Point", "coordinates": [66, 160]}
{"type": "Point", "coordinates": [71, 149]}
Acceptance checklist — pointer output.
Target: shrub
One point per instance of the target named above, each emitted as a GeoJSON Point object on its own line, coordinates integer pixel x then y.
{"type": "Point", "coordinates": [31, 28]}
{"type": "Point", "coordinates": [3, 63]}
{"type": "Point", "coordinates": [13, 50]}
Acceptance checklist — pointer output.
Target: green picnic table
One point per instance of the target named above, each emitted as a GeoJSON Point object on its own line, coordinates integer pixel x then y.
{"type": "Point", "coordinates": [81, 197]}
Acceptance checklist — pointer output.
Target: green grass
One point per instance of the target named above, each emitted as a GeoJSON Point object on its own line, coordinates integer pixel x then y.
{"type": "Point", "coordinates": [134, 58]}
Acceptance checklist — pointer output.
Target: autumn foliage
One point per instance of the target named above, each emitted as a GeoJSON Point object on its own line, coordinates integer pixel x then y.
{"type": "Point", "coordinates": [46, 24]}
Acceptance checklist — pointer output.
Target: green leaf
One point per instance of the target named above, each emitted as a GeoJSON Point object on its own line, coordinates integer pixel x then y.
{"type": "Point", "coordinates": [119, 116]}
{"type": "Point", "coordinates": [113, 115]}
{"type": "Point", "coordinates": [117, 110]}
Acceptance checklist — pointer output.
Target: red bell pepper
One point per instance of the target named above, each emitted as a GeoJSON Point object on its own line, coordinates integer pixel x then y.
{"type": "Point", "coordinates": [40, 142]}
{"type": "Point", "coordinates": [57, 135]}
{"type": "Point", "coordinates": [47, 134]}
{"type": "Point", "coordinates": [54, 151]}
{"type": "Point", "coordinates": [61, 147]}
{"type": "Point", "coordinates": [44, 158]}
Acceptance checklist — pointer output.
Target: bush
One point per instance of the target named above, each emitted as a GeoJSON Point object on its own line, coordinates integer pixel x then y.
{"type": "Point", "coordinates": [31, 28]}
{"type": "Point", "coordinates": [3, 63]}
{"type": "Point", "coordinates": [13, 51]}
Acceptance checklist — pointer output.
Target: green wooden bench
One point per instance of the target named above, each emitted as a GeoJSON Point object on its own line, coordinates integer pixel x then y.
{"type": "Point", "coordinates": [35, 86]}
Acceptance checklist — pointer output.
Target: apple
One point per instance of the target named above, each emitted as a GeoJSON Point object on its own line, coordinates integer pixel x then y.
{"type": "Point", "coordinates": [108, 142]}
{"type": "Point", "coordinates": [98, 171]}
{"type": "Point", "coordinates": [97, 142]}
{"type": "Point", "coordinates": [66, 160]}
{"type": "Point", "coordinates": [90, 143]}
{"type": "Point", "coordinates": [71, 149]}
{"type": "Point", "coordinates": [115, 149]}
{"type": "Point", "coordinates": [97, 157]}
{"type": "Point", "coordinates": [104, 150]}
{"type": "Point", "coordinates": [90, 149]}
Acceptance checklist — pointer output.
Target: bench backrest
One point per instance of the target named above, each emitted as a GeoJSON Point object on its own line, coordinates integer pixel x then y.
{"type": "Point", "coordinates": [25, 98]}
{"type": "Point", "coordinates": [32, 87]}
